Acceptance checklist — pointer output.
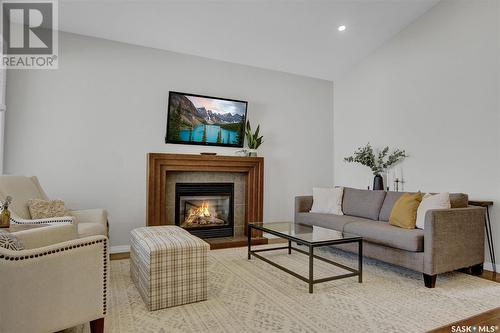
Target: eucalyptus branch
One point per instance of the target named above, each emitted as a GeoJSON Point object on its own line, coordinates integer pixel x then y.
{"type": "Point", "coordinates": [377, 163]}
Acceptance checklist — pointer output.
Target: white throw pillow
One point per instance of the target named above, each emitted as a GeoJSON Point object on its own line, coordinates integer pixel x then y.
{"type": "Point", "coordinates": [327, 200]}
{"type": "Point", "coordinates": [432, 201]}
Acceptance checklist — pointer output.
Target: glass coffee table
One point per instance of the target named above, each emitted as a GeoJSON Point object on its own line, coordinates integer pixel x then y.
{"type": "Point", "coordinates": [311, 237]}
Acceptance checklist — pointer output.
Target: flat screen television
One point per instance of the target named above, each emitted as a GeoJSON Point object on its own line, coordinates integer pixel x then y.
{"type": "Point", "coordinates": [204, 120]}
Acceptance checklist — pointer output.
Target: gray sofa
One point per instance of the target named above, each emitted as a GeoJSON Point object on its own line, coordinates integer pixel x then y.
{"type": "Point", "coordinates": [452, 238]}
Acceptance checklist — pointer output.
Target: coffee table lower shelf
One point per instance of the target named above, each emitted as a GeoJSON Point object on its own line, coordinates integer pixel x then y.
{"type": "Point", "coordinates": [310, 279]}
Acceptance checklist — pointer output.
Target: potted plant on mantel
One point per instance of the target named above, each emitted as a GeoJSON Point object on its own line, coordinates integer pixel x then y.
{"type": "Point", "coordinates": [253, 139]}
{"type": "Point", "coordinates": [379, 163]}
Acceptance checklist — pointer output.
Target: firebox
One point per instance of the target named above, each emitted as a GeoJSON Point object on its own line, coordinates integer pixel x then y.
{"type": "Point", "coordinates": [205, 209]}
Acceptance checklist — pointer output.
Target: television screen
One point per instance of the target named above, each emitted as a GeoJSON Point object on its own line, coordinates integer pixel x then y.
{"type": "Point", "coordinates": [204, 120]}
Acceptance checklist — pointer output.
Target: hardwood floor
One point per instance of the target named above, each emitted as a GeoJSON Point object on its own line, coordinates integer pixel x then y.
{"type": "Point", "coordinates": [119, 256]}
{"type": "Point", "coordinates": [489, 318]}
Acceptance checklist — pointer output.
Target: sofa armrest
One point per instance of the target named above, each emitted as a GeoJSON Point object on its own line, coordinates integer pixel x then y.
{"type": "Point", "coordinates": [453, 239]}
{"type": "Point", "coordinates": [54, 287]}
{"type": "Point", "coordinates": [303, 204]}
{"type": "Point", "coordinates": [97, 215]}
{"type": "Point", "coordinates": [39, 237]}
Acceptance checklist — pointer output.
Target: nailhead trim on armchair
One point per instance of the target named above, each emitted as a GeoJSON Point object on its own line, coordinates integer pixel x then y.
{"type": "Point", "coordinates": [63, 219]}
{"type": "Point", "coordinates": [66, 248]}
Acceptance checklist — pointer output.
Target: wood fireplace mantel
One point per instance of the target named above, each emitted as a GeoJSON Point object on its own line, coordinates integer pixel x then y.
{"type": "Point", "coordinates": [160, 164]}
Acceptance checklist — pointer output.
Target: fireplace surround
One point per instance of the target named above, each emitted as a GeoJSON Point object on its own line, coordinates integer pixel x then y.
{"type": "Point", "coordinates": [160, 165]}
{"type": "Point", "coordinates": [205, 209]}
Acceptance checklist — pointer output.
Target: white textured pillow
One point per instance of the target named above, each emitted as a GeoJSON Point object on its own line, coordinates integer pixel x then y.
{"type": "Point", "coordinates": [432, 201]}
{"type": "Point", "coordinates": [327, 200]}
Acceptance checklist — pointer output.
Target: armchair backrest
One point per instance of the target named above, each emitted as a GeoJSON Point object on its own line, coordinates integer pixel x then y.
{"type": "Point", "coordinates": [21, 189]}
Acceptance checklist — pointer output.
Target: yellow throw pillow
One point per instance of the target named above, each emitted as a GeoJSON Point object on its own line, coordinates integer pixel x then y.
{"type": "Point", "coordinates": [404, 212]}
{"type": "Point", "coordinates": [42, 209]}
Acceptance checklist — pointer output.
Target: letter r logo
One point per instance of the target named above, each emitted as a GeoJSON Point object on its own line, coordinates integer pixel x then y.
{"type": "Point", "coordinates": [27, 27]}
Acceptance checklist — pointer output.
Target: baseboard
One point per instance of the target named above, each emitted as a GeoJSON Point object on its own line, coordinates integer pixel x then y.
{"type": "Point", "coordinates": [488, 266]}
{"type": "Point", "coordinates": [119, 249]}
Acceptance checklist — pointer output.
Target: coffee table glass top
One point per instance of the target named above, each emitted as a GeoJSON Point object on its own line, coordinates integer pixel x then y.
{"type": "Point", "coordinates": [306, 233]}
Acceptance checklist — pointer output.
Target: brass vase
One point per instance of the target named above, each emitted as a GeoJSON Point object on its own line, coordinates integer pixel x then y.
{"type": "Point", "coordinates": [5, 218]}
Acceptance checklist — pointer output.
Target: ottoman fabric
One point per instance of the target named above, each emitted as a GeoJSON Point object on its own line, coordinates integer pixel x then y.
{"type": "Point", "coordinates": [168, 266]}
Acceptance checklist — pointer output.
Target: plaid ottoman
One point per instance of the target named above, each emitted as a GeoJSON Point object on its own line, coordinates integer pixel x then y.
{"type": "Point", "coordinates": [168, 266]}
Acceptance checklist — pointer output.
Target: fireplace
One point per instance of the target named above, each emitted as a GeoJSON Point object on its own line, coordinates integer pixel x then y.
{"type": "Point", "coordinates": [205, 209]}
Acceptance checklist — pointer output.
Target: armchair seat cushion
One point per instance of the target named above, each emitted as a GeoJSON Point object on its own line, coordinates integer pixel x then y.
{"type": "Point", "coordinates": [91, 229]}
{"type": "Point", "coordinates": [49, 235]}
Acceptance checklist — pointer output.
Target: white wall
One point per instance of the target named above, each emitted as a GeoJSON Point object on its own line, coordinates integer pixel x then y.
{"type": "Point", "coordinates": [3, 108]}
{"type": "Point", "coordinates": [86, 128]}
{"type": "Point", "coordinates": [432, 90]}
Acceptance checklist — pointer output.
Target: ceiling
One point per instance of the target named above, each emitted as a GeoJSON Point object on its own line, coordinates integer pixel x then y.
{"type": "Point", "coordinates": [298, 37]}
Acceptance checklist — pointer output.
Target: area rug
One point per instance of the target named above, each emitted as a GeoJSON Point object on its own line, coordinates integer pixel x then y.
{"type": "Point", "coordinates": [253, 296]}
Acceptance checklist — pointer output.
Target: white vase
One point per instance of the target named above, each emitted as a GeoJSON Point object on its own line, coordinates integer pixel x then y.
{"type": "Point", "coordinates": [252, 152]}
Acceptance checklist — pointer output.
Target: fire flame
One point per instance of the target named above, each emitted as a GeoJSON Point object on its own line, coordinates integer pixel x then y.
{"type": "Point", "coordinates": [201, 211]}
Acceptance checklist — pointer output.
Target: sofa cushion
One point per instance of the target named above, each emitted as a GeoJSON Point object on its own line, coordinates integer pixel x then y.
{"type": "Point", "coordinates": [385, 234]}
{"type": "Point", "coordinates": [431, 201]}
{"type": "Point", "coordinates": [327, 200]}
{"type": "Point", "coordinates": [404, 212]}
{"type": "Point", "coordinates": [336, 222]}
{"type": "Point", "coordinates": [362, 203]}
{"type": "Point", "coordinates": [10, 241]}
{"type": "Point", "coordinates": [389, 201]}
{"type": "Point", "coordinates": [45, 209]}
{"type": "Point", "coordinates": [459, 200]}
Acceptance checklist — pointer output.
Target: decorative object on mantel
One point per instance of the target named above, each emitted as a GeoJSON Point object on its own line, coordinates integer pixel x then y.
{"type": "Point", "coordinates": [241, 152]}
{"type": "Point", "coordinates": [377, 163]}
{"type": "Point", "coordinates": [253, 139]}
{"type": "Point", "coordinates": [487, 224]}
{"type": "Point", "coordinates": [5, 213]}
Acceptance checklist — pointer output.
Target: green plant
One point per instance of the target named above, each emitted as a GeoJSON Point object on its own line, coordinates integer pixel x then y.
{"type": "Point", "coordinates": [5, 204]}
{"type": "Point", "coordinates": [379, 162]}
{"type": "Point", "coordinates": [253, 139]}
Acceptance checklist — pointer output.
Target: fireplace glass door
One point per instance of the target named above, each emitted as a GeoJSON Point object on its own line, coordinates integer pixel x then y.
{"type": "Point", "coordinates": [205, 209]}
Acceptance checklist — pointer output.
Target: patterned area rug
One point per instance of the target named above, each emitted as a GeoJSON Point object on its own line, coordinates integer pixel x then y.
{"type": "Point", "coordinates": [253, 296]}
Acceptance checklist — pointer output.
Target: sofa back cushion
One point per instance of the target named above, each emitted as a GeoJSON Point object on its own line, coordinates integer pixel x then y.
{"type": "Point", "coordinates": [389, 201]}
{"type": "Point", "coordinates": [457, 200]}
{"type": "Point", "coordinates": [362, 203]}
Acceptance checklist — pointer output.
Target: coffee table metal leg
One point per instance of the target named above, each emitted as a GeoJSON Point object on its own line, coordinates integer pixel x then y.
{"type": "Point", "coordinates": [360, 261]}
{"type": "Point", "coordinates": [249, 235]}
{"type": "Point", "coordinates": [311, 273]}
{"type": "Point", "coordinates": [289, 247]}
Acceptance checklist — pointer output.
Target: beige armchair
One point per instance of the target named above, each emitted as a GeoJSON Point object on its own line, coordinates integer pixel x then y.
{"type": "Point", "coordinates": [89, 221]}
{"type": "Point", "coordinates": [58, 281]}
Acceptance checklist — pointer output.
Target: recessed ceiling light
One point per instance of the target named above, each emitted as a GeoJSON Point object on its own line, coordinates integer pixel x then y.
{"type": "Point", "coordinates": [341, 28]}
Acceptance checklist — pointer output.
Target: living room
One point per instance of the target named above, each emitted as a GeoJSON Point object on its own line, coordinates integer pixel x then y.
{"type": "Point", "coordinates": [138, 101]}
